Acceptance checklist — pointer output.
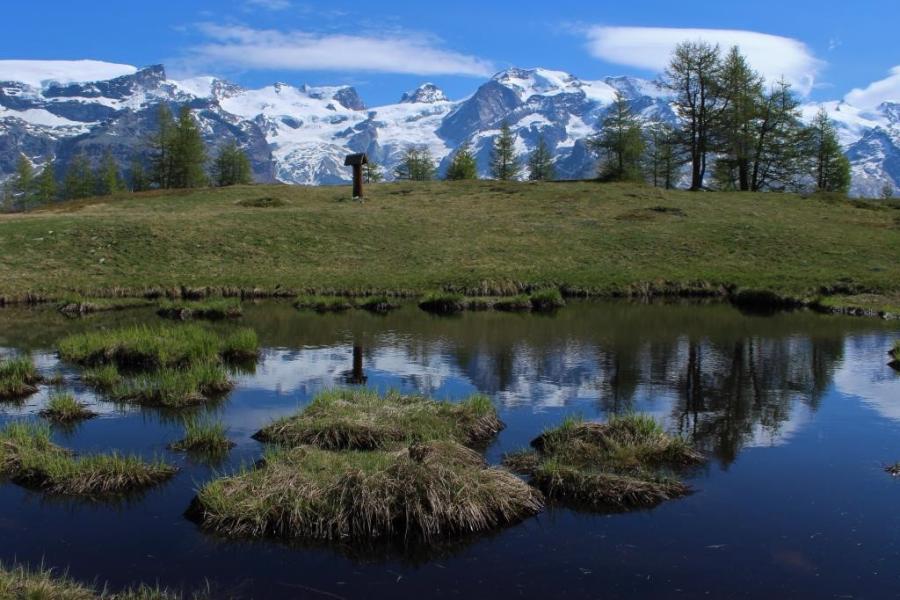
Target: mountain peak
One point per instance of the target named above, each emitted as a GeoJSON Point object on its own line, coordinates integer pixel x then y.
{"type": "Point", "coordinates": [538, 82]}
{"type": "Point", "coordinates": [41, 73]}
{"type": "Point", "coordinates": [427, 93]}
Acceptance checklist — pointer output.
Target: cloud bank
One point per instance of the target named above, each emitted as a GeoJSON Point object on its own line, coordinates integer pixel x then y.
{"type": "Point", "coordinates": [651, 48]}
{"type": "Point", "coordinates": [885, 90]}
{"type": "Point", "coordinates": [265, 49]}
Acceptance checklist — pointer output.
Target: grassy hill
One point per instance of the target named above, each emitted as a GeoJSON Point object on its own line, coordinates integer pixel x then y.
{"type": "Point", "coordinates": [484, 237]}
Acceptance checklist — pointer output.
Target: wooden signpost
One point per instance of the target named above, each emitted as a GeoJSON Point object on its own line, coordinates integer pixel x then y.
{"type": "Point", "coordinates": [357, 161]}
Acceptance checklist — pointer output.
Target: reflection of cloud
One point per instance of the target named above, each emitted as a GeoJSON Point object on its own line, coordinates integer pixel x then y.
{"type": "Point", "coordinates": [864, 373]}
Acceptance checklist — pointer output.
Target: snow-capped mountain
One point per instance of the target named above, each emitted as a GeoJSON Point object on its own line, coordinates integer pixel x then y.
{"type": "Point", "coordinates": [54, 109]}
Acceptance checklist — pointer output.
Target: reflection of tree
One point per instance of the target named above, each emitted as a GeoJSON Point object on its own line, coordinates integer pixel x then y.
{"type": "Point", "coordinates": [356, 375]}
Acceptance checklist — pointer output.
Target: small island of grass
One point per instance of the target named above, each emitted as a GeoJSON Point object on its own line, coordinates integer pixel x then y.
{"type": "Point", "coordinates": [427, 491]}
{"type": "Point", "coordinates": [65, 408]}
{"type": "Point", "coordinates": [30, 458]}
{"type": "Point", "coordinates": [203, 437]}
{"type": "Point", "coordinates": [18, 378]}
{"type": "Point", "coordinates": [213, 309]}
{"type": "Point", "coordinates": [364, 420]}
{"type": "Point", "coordinates": [895, 356]}
{"type": "Point", "coordinates": [623, 464]}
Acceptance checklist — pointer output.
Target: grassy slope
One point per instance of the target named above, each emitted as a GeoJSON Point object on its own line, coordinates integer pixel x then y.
{"type": "Point", "coordinates": [415, 237]}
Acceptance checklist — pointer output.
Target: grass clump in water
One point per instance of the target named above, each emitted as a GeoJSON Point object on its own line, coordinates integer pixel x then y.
{"type": "Point", "coordinates": [364, 420]}
{"type": "Point", "coordinates": [18, 582]}
{"type": "Point", "coordinates": [104, 378]}
{"type": "Point", "coordinates": [428, 491]}
{"type": "Point", "coordinates": [65, 408]}
{"type": "Point", "coordinates": [378, 304]}
{"type": "Point", "coordinates": [174, 387]}
{"type": "Point", "coordinates": [323, 304]}
{"type": "Point", "coordinates": [519, 303]}
{"type": "Point", "coordinates": [617, 465]}
{"type": "Point", "coordinates": [444, 303]}
{"type": "Point", "coordinates": [212, 309]}
{"type": "Point", "coordinates": [155, 347]}
{"type": "Point", "coordinates": [547, 300]}
{"type": "Point", "coordinates": [895, 356]}
{"type": "Point", "coordinates": [29, 457]}
{"type": "Point", "coordinates": [203, 436]}
{"type": "Point", "coordinates": [18, 378]}
{"type": "Point", "coordinates": [79, 305]}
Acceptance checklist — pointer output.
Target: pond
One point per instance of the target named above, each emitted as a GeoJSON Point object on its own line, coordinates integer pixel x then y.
{"type": "Point", "coordinates": [798, 413]}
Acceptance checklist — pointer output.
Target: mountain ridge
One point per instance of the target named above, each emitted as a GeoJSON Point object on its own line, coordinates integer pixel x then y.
{"type": "Point", "coordinates": [300, 134]}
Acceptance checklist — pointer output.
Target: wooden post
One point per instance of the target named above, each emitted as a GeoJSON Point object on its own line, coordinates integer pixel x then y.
{"type": "Point", "coordinates": [357, 181]}
{"type": "Point", "coordinates": [357, 161]}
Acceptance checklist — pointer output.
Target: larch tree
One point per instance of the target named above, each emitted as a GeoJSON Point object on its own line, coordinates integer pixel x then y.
{"type": "Point", "coordinates": [663, 157]}
{"type": "Point", "coordinates": [23, 182]}
{"type": "Point", "coordinates": [830, 166]}
{"type": "Point", "coordinates": [46, 187]}
{"type": "Point", "coordinates": [742, 91]}
{"type": "Point", "coordinates": [692, 77]}
{"type": "Point", "coordinates": [417, 165]}
{"type": "Point", "coordinates": [540, 163]}
{"type": "Point", "coordinates": [188, 153]}
{"type": "Point", "coordinates": [620, 143]}
{"type": "Point", "coordinates": [79, 181]}
{"type": "Point", "coordinates": [161, 146]}
{"type": "Point", "coordinates": [505, 165]}
{"type": "Point", "coordinates": [232, 167]}
{"type": "Point", "coordinates": [462, 165]}
{"type": "Point", "coordinates": [109, 178]}
{"type": "Point", "coordinates": [372, 172]}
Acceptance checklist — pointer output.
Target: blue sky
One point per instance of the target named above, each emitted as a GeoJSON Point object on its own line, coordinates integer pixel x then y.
{"type": "Point", "coordinates": [384, 47]}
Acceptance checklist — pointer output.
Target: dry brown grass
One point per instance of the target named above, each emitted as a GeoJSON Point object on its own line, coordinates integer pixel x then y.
{"type": "Point", "coordinates": [430, 491]}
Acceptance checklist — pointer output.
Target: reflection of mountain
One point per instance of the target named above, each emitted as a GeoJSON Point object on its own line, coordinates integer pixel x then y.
{"type": "Point", "coordinates": [865, 374]}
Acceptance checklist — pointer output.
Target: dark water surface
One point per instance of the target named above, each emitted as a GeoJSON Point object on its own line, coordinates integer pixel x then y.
{"type": "Point", "coordinates": [798, 413]}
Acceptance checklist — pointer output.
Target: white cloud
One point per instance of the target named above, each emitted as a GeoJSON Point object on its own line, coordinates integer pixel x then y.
{"type": "Point", "coordinates": [269, 4]}
{"type": "Point", "coordinates": [406, 53]}
{"type": "Point", "coordinates": [651, 48]}
{"type": "Point", "coordinates": [885, 90]}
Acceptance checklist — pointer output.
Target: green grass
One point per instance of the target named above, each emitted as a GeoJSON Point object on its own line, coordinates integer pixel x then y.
{"type": "Point", "coordinates": [480, 238]}
{"type": "Point", "coordinates": [622, 464]}
{"type": "Point", "coordinates": [104, 378]}
{"type": "Point", "coordinates": [78, 305]}
{"type": "Point", "coordinates": [203, 436]}
{"type": "Point", "coordinates": [427, 492]}
{"type": "Point", "coordinates": [323, 304]}
{"type": "Point", "coordinates": [154, 347]}
{"type": "Point", "coordinates": [19, 582]}
{"type": "Point", "coordinates": [212, 309]}
{"type": "Point", "coordinates": [174, 387]}
{"type": "Point", "coordinates": [18, 378]}
{"type": "Point", "coordinates": [364, 420]}
{"type": "Point", "coordinates": [522, 302]}
{"type": "Point", "coordinates": [378, 304]}
{"type": "Point", "coordinates": [65, 408]}
{"type": "Point", "coordinates": [29, 457]}
{"type": "Point", "coordinates": [445, 303]}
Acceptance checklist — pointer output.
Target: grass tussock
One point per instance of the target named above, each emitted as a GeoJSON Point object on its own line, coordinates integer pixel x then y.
{"type": "Point", "coordinates": [18, 378]}
{"type": "Point", "coordinates": [19, 582]}
{"type": "Point", "coordinates": [446, 303]}
{"type": "Point", "coordinates": [264, 202]}
{"type": "Point", "coordinates": [210, 309]}
{"type": "Point", "coordinates": [895, 356]}
{"type": "Point", "coordinates": [65, 408]}
{"type": "Point", "coordinates": [364, 420]}
{"type": "Point", "coordinates": [174, 387]}
{"type": "Point", "coordinates": [29, 457]}
{"type": "Point", "coordinates": [323, 304]}
{"type": "Point", "coordinates": [624, 463]}
{"type": "Point", "coordinates": [426, 492]}
{"type": "Point", "coordinates": [203, 436]}
{"type": "Point", "coordinates": [104, 378]}
{"type": "Point", "coordinates": [378, 304]}
{"type": "Point", "coordinates": [893, 470]}
{"type": "Point", "coordinates": [79, 305]}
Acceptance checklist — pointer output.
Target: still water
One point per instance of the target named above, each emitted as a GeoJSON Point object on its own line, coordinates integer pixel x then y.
{"type": "Point", "coordinates": [798, 413]}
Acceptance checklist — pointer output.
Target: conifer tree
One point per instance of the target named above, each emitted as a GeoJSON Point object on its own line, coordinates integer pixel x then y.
{"type": "Point", "coordinates": [664, 157]}
{"type": "Point", "coordinates": [778, 158]}
{"type": "Point", "coordinates": [830, 167]}
{"type": "Point", "coordinates": [463, 165]}
{"type": "Point", "coordinates": [417, 165]}
{"type": "Point", "coordinates": [505, 164]}
{"type": "Point", "coordinates": [138, 176]}
{"type": "Point", "coordinates": [109, 179]}
{"type": "Point", "coordinates": [372, 172]}
{"type": "Point", "coordinates": [188, 153]}
{"type": "Point", "coordinates": [46, 188]}
{"type": "Point", "coordinates": [540, 163]}
{"type": "Point", "coordinates": [23, 182]}
{"type": "Point", "coordinates": [232, 167]}
{"type": "Point", "coordinates": [741, 89]}
{"type": "Point", "coordinates": [692, 76]}
{"type": "Point", "coordinates": [887, 191]}
{"type": "Point", "coordinates": [161, 149]}
{"type": "Point", "coordinates": [620, 143]}
{"type": "Point", "coordinates": [79, 180]}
